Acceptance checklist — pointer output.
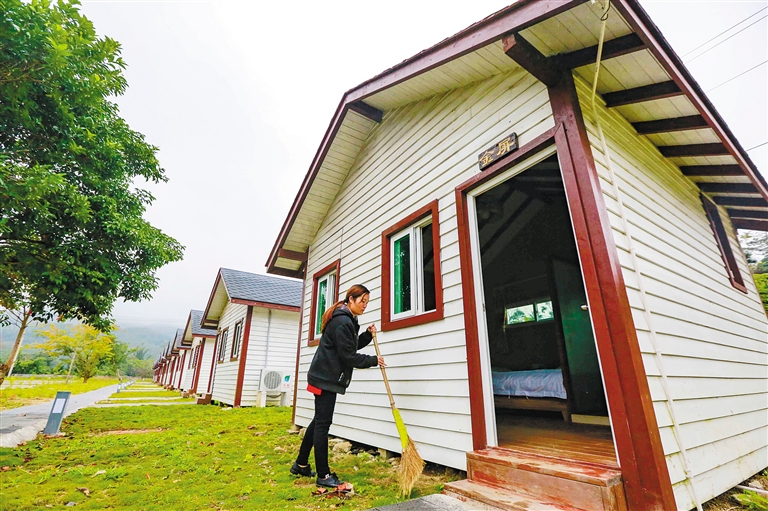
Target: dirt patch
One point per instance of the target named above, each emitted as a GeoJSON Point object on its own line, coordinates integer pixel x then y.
{"type": "Point", "coordinates": [129, 431]}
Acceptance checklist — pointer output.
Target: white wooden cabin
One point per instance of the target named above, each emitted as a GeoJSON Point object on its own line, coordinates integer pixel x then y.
{"type": "Point", "coordinates": [609, 260]}
{"type": "Point", "coordinates": [201, 342]}
{"type": "Point", "coordinates": [256, 318]}
{"type": "Point", "coordinates": [180, 352]}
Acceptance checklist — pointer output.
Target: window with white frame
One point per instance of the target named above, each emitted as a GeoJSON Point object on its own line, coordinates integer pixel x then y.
{"type": "Point", "coordinates": [236, 338]}
{"type": "Point", "coordinates": [412, 270]}
{"type": "Point", "coordinates": [222, 344]}
{"type": "Point", "coordinates": [324, 298]}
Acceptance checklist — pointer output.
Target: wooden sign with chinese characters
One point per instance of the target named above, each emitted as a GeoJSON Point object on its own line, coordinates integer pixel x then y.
{"type": "Point", "coordinates": [503, 148]}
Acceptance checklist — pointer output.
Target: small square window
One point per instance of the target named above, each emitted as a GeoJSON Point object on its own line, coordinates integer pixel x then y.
{"type": "Point", "coordinates": [521, 314]}
{"type": "Point", "coordinates": [222, 344]}
{"type": "Point", "coordinates": [535, 312]}
{"type": "Point", "coordinates": [236, 340]}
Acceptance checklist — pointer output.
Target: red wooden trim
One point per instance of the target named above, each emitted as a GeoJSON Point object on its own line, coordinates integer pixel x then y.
{"type": "Point", "coordinates": [292, 254]}
{"type": "Point", "coordinates": [266, 305]}
{"type": "Point", "coordinates": [199, 368]}
{"type": "Point", "coordinates": [672, 151]}
{"type": "Point", "coordinates": [516, 17]}
{"type": "Point", "coordinates": [214, 355]}
{"type": "Point", "coordinates": [744, 202]}
{"type": "Point", "coordinates": [642, 25]}
{"type": "Point", "coordinates": [210, 299]}
{"type": "Point", "coordinates": [333, 267]}
{"type": "Point", "coordinates": [711, 170]}
{"type": "Point", "coordinates": [728, 188]}
{"type": "Point", "coordinates": [747, 214]}
{"type": "Point", "coordinates": [367, 111]}
{"type": "Point", "coordinates": [181, 368]}
{"type": "Point", "coordinates": [246, 334]}
{"type": "Point", "coordinates": [723, 243]}
{"type": "Point", "coordinates": [754, 225]}
{"type": "Point", "coordinates": [386, 314]}
{"type": "Point", "coordinates": [636, 432]}
{"type": "Point", "coordinates": [529, 58]}
{"type": "Point", "coordinates": [284, 271]}
{"type": "Point", "coordinates": [298, 352]}
{"type": "Point", "coordinates": [476, 399]}
{"type": "Point", "coordinates": [689, 122]}
{"type": "Point", "coordinates": [650, 92]}
{"type": "Point", "coordinates": [613, 48]}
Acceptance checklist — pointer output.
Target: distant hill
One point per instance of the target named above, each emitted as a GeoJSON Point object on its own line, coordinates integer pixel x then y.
{"type": "Point", "coordinates": [152, 337]}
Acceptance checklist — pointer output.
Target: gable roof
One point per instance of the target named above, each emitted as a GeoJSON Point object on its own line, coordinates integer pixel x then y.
{"type": "Point", "coordinates": [194, 327]}
{"type": "Point", "coordinates": [251, 289]}
{"type": "Point", "coordinates": [564, 33]}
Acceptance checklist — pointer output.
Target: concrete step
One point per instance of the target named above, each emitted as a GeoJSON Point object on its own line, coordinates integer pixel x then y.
{"type": "Point", "coordinates": [471, 491]}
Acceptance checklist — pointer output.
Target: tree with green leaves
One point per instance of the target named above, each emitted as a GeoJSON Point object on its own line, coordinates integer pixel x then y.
{"type": "Point", "coordinates": [755, 245]}
{"type": "Point", "coordinates": [72, 234]}
{"type": "Point", "coordinates": [86, 348]}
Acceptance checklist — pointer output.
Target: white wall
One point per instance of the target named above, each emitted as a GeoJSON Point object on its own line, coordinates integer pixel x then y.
{"type": "Point", "coordinates": [272, 345]}
{"type": "Point", "coordinates": [419, 153]}
{"type": "Point", "coordinates": [712, 338]}
{"type": "Point", "coordinates": [225, 373]}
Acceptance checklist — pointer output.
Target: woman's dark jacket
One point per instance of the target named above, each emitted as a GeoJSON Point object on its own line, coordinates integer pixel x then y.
{"type": "Point", "coordinates": [337, 355]}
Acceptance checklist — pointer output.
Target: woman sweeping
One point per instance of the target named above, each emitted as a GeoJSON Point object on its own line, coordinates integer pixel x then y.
{"type": "Point", "coordinates": [330, 374]}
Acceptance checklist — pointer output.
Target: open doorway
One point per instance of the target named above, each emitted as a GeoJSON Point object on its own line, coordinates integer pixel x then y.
{"type": "Point", "coordinates": [547, 384]}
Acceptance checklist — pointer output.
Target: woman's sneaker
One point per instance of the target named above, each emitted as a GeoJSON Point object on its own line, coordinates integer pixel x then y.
{"type": "Point", "coordinates": [298, 470]}
{"type": "Point", "coordinates": [329, 481]}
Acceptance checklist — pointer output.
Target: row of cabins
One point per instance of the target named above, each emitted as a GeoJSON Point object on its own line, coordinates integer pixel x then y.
{"type": "Point", "coordinates": [513, 225]}
{"type": "Point", "coordinates": [240, 350]}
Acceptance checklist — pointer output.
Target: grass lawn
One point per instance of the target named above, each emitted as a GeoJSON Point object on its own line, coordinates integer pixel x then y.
{"type": "Point", "coordinates": [14, 397]}
{"type": "Point", "coordinates": [185, 457]}
{"type": "Point", "coordinates": [149, 393]}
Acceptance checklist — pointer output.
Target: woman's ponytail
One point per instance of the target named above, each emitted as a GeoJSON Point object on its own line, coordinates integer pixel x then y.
{"type": "Point", "coordinates": [355, 292]}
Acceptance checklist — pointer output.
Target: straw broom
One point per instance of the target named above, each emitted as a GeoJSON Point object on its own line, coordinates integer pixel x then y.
{"type": "Point", "coordinates": [411, 464]}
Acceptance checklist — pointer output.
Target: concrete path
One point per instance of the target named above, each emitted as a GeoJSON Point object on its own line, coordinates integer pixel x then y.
{"type": "Point", "coordinates": [436, 502]}
{"type": "Point", "coordinates": [19, 425]}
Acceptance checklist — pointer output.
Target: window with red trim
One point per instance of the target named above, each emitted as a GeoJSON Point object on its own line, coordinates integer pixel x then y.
{"type": "Point", "coordinates": [721, 236]}
{"type": "Point", "coordinates": [325, 292]}
{"type": "Point", "coordinates": [412, 290]}
{"type": "Point", "coordinates": [223, 344]}
{"type": "Point", "coordinates": [236, 339]}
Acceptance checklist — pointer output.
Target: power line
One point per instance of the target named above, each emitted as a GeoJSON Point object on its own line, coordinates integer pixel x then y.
{"type": "Point", "coordinates": [724, 31]}
{"type": "Point", "coordinates": [758, 145]}
{"type": "Point", "coordinates": [738, 75]}
{"type": "Point", "coordinates": [724, 40]}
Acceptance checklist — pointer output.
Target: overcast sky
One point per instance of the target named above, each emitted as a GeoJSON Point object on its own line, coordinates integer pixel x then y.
{"type": "Point", "coordinates": [237, 95]}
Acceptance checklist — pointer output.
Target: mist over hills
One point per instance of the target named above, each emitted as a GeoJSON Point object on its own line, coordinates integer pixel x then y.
{"type": "Point", "coordinates": [153, 337]}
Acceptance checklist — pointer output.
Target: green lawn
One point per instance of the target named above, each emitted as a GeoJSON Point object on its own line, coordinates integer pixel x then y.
{"type": "Point", "coordinates": [147, 394]}
{"type": "Point", "coordinates": [14, 397]}
{"type": "Point", "coordinates": [188, 457]}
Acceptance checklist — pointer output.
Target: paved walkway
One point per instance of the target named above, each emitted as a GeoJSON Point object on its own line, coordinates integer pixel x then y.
{"type": "Point", "coordinates": [19, 425]}
{"type": "Point", "coordinates": [436, 502]}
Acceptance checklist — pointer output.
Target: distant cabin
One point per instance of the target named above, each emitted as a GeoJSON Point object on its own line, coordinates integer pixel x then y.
{"type": "Point", "coordinates": [564, 306]}
{"type": "Point", "coordinates": [256, 318]}
{"type": "Point", "coordinates": [201, 360]}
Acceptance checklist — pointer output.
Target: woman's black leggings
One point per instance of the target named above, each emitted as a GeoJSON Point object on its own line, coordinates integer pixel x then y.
{"type": "Point", "coordinates": [317, 433]}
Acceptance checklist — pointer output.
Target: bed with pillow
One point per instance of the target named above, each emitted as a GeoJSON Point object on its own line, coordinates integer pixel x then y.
{"type": "Point", "coordinates": [538, 389]}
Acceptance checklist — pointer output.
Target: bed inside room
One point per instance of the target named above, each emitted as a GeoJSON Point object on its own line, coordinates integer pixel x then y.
{"type": "Point", "coordinates": [543, 356]}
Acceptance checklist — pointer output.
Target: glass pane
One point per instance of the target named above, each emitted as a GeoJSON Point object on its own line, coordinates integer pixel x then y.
{"type": "Point", "coordinates": [322, 291]}
{"type": "Point", "coordinates": [402, 274]}
{"type": "Point", "coordinates": [522, 314]}
{"type": "Point", "coordinates": [544, 311]}
{"type": "Point", "coordinates": [428, 268]}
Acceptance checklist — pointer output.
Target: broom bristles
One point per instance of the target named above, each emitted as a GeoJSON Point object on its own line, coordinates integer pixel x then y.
{"type": "Point", "coordinates": [411, 467]}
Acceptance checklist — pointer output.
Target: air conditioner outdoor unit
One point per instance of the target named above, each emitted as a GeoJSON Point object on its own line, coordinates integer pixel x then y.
{"type": "Point", "coordinates": [274, 384]}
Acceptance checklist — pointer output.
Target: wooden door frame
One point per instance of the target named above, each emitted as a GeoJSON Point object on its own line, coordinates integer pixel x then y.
{"type": "Point", "coordinates": [633, 420]}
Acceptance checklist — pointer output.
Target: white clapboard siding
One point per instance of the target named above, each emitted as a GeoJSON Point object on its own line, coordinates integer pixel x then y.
{"type": "Point", "coordinates": [207, 355]}
{"type": "Point", "coordinates": [272, 345]}
{"type": "Point", "coordinates": [419, 153]}
{"type": "Point", "coordinates": [713, 338]}
{"type": "Point", "coordinates": [188, 371]}
{"type": "Point", "coordinates": [225, 373]}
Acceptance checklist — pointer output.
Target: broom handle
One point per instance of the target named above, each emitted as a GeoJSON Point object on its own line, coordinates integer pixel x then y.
{"type": "Point", "coordinates": [383, 372]}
